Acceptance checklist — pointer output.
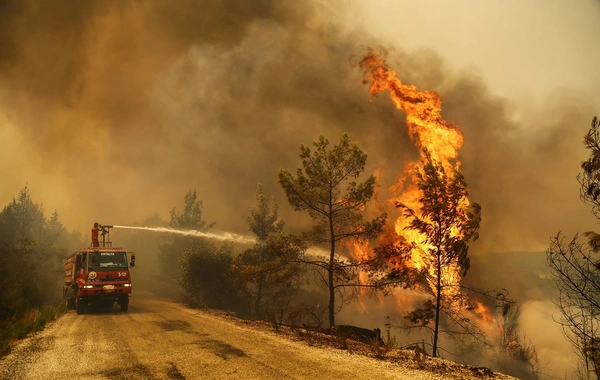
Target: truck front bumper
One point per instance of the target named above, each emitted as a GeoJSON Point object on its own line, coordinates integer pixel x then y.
{"type": "Point", "coordinates": [104, 289]}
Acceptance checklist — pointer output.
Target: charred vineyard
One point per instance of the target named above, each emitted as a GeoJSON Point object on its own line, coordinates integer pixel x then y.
{"type": "Point", "coordinates": [390, 272]}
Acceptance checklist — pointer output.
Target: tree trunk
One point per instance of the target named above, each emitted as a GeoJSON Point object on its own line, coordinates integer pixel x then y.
{"type": "Point", "coordinates": [438, 289]}
{"type": "Point", "coordinates": [331, 272]}
{"type": "Point", "coordinates": [331, 299]}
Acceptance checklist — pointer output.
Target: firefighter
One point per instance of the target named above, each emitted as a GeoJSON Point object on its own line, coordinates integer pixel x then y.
{"type": "Point", "coordinates": [95, 230]}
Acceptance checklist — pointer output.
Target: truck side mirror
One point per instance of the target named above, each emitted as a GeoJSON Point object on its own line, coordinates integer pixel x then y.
{"type": "Point", "coordinates": [132, 263]}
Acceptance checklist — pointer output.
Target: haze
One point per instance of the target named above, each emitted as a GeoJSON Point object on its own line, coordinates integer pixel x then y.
{"type": "Point", "coordinates": [112, 110]}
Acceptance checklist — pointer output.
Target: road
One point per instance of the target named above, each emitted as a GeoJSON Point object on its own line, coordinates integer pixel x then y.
{"type": "Point", "coordinates": [157, 339]}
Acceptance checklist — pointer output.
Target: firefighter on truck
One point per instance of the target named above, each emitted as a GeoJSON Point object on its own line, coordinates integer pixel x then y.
{"type": "Point", "coordinates": [98, 275]}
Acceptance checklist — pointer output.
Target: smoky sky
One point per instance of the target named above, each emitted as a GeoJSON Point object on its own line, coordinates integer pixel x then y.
{"type": "Point", "coordinates": [112, 110]}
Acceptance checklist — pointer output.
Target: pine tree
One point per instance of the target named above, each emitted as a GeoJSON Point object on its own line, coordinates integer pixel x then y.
{"type": "Point", "coordinates": [446, 227]}
{"type": "Point", "coordinates": [173, 247]}
{"type": "Point", "coordinates": [318, 189]}
{"type": "Point", "coordinates": [270, 266]}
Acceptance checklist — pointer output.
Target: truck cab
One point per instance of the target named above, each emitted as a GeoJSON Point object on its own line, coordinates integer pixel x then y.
{"type": "Point", "coordinates": [98, 276]}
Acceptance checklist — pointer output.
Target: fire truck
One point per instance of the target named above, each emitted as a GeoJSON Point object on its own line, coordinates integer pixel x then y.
{"type": "Point", "coordinates": [98, 275]}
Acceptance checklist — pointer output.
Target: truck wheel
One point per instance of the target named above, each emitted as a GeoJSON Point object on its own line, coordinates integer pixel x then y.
{"type": "Point", "coordinates": [124, 302]}
{"type": "Point", "coordinates": [72, 300]}
{"type": "Point", "coordinates": [80, 305]}
{"type": "Point", "coordinates": [70, 303]}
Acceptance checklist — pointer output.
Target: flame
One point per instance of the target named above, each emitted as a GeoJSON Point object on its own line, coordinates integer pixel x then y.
{"type": "Point", "coordinates": [483, 312]}
{"type": "Point", "coordinates": [427, 129]}
{"type": "Point", "coordinates": [484, 317]}
{"type": "Point", "coordinates": [360, 251]}
{"type": "Point", "coordinates": [381, 207]}
{"type": "Point", "coordinates": [423, 110]}
{"type": "Point", "coordinates": [442, 139]}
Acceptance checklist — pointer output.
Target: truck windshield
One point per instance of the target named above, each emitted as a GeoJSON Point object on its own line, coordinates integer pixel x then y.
{"type": "Point", "coordinates": [108, 260]}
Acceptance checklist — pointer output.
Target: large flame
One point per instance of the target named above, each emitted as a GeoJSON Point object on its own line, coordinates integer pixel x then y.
{"type": "Point", "coordinates": [428, 130]}
{"type": "Point", "coordinates": [442, 139]}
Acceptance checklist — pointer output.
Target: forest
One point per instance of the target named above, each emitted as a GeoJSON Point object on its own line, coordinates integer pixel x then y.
{"type": "Point", "coordinates": [303, 279]}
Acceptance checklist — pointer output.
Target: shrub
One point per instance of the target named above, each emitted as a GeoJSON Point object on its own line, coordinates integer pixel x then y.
{"type": "Point", "coordinates": [206, 276]}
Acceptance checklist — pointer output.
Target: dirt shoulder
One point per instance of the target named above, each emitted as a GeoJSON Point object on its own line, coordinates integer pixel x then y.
{"type": "Point", "coordinates": [410, 359]}
{"type": "Point", "coordinates": [159, 339]}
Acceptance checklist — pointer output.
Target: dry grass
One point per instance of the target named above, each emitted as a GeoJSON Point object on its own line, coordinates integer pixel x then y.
{"type": "Point", "coordinates": [31, 321]}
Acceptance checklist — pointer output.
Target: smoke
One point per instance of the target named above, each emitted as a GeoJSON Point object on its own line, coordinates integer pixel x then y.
{"type": "Point", "coordinates": [554, 350]}
{"type": "Point", "coordinates": [112, 110]}
{"type": "Point", "coordinates": [85, 87]}
{"type": "Point", "coordinates": [126, 103]}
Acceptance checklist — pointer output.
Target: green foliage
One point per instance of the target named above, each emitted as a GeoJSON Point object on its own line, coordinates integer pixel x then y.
{"type": "Point", "coordinates": [31, 252]}
{"type": "Point", "coordinates": [270, 268]}
{"type": "Point", "coordinates": [29, 218]}
{"type": "Point", "coordinates": [173, 247]}
{"type": "Point", "coordinates": [325, 188]}
{"type": "Point", "coordinates": [273, 266]}
{"type": "Point", "coordinates": [263, 217]}
{"type": "Point", "coordinates": [271, 272]}
{"type": "Point", "coordinates": [447, 227]}
{"type": "Point", "coordinates": [318, 190]}
{"type": "Point", "coordinates": [32, 248]}
{"type": "Point", "coordinates": [191, 217]}
{"type": "Point", "coordinates": [207, 277]}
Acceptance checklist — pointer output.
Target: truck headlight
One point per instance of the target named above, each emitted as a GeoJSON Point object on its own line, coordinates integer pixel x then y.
{"type": "Point", "coordinates": [127, 285]}
{"type": "Point", "coordinates": [88, 286]}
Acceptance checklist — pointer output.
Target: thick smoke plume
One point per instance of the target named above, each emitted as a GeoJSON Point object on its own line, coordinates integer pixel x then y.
{"type": "Point", "coordinates": [119, 107]}
{"type": "Point", "coordinates": [112, 110]}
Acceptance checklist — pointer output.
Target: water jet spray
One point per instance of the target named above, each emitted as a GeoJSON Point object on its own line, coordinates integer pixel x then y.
{"type": "Point", "coordinates": [222, 236]}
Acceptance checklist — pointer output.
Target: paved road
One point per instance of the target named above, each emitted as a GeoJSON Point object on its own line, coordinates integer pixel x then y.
{"type": "Point", "coordinates": [157, 339]}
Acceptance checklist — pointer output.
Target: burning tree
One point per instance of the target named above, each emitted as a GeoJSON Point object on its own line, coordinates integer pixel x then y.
{"type": "Point", "coordinates": [576, 267]}
{"type": "Point", "coordinates": [444, 226]}
{"type": "Point", "coordinates": [317, 189]}
{"type": "Point", "coordinates": [436, 224]}
{"type": "Point", "coordinates": [270, 266]}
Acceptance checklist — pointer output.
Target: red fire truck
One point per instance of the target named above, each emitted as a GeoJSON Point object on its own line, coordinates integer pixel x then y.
{"type": "Point", "coordinates": [98, 275]}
